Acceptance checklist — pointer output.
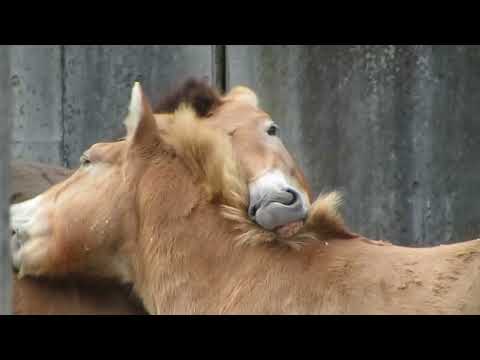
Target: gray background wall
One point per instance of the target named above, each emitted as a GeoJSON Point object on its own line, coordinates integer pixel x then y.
{"type": "Point", "coordinates": [393, 126]}
{"type": "Point", "coordinates": [68, 97]}
{"type": "Point", "coordinates": [5, 265]}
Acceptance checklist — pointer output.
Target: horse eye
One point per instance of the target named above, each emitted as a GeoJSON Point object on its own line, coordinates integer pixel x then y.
{"type": "Point", "coordinates": [84, 160]}
{"type": "Point", "coordinates": [272, 130]}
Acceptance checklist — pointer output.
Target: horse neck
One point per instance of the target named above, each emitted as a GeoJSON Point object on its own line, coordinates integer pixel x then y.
{"type": "Point", "coordinates": [196, 267]}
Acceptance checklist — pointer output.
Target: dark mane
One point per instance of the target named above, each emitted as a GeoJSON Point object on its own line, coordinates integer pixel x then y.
{"type": "Point", "coordinates": [196, 93]}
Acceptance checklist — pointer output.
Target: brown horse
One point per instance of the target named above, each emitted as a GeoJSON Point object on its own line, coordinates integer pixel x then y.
{"type": "Point", "coordinates": [177, 213]}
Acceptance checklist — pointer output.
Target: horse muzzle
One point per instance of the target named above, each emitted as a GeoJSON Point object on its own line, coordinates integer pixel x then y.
{"type": "Point", "coordinates": [274, 203]}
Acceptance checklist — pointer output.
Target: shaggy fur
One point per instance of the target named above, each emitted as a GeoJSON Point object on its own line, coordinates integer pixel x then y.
{"type": "Point", "coordinates": [208, 154]}
{"type": "Point", "coordinates": [324, 222]}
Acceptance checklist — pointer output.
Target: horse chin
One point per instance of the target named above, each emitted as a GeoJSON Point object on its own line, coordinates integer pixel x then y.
{"type": "Point", "coordinates": [290, 229]}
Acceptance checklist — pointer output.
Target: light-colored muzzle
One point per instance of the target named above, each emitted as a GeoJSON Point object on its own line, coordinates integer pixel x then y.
{"type": "Point", "coordinates": [28, 220]}
{"type": "Point", "coordinates": [274, 202]}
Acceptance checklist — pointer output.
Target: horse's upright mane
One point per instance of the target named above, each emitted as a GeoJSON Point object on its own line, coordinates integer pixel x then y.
{"type": "Point", "coordinates": [193, 92]}
{"type": "Point", "coordinates": [208, 154]}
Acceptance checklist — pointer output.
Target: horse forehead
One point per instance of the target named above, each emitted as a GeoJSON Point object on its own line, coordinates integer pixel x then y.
{"type": "Point", "coordinates": [234, 115]}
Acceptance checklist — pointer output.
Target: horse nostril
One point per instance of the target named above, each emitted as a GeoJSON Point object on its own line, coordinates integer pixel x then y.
{"type": "Point", "coordinates": [253, 210]}
{"type": "Point", "coordinates": [13, 232]}
{"type": "Point", "coordinates": [294, 197]}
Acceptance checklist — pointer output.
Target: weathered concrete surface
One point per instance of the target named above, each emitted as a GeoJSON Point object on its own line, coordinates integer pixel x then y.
{"type": "Point", "coordinates": [67, 97]}
{"type": "Point", "coordinates": [98, 81]}
{"type": "Point", "coordinates": [36, 103]}
{"type": "Point", "coordinates": [5, 264]}
{"type": "Point", "coordinates": [395, 127]}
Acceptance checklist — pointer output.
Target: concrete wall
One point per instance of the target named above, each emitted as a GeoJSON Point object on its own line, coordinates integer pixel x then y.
{"type": "Point", "coordinates": [36, 102]}
{"type": "Point", "coordinates": [5, 264]}
{"type": "Point", "coordinates": [394, 127]}
{"type": "Point", "coordinates": [98, 81]}
{"type": "Point", "coordinates": [68, 97]}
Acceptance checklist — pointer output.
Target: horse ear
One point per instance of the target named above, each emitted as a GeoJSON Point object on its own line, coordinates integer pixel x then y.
{"type": "Point", "coordinates": [140, 122]}
{"type": "Point", "coordinates": [244, 94]}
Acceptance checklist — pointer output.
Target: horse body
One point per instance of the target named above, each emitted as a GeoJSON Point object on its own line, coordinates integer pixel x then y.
{"type": "Point", "coordinates": [357, 276]}
{"type": "Point", "coordinates": [194, 265]}
{"type": "Point", "coordinates": [189, 215]}
{"type": "Point", "coordinates": [344, 277]}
